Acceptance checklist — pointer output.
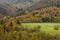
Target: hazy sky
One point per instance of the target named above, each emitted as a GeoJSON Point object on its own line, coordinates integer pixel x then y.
{"type": "Point", "coordinates": [17, 0]}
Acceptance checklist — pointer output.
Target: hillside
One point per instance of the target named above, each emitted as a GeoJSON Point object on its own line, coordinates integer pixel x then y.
{"type": "Point", "coordinates": [7, 10]}
{"type": "Point", "coordinates": [40, 11]}
{"type": "Point", "coordinates": [45, 4]}
{"type": "Point", "coordinates": [51, 14]}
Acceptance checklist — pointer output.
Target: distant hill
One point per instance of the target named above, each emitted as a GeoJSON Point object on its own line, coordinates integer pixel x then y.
{"type": "Point", "coordinates": [15, 8]}
{"type": "Point", "coordinates": [45, 4]}
{"type": "Point", "coordinates": [7, 10]}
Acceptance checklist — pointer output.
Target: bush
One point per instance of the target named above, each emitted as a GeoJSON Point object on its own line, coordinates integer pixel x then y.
{"type": "Point", "coordinates": [56, 27]}
{"type": "Point", "coordinates": [18, 22]}
{"type": "Point", "coordinates": [11, 24]}
{"type": "Point", "coordinates": [1, 22]}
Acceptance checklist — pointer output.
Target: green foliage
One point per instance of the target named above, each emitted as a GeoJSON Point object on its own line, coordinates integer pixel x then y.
{"type": "Point", "coordinates": [45, 19]}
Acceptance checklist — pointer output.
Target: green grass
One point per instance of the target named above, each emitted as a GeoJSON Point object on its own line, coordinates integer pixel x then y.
{"type": "Point", "coordinates": [47, 27]}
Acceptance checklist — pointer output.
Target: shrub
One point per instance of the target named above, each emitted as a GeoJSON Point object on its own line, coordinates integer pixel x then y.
{"type": "Point", "coordinates": [18, 22]}
{"type": "Point", "coordinates": [56, 27]}
{"type": "Point", "coordinates": [11, 24]}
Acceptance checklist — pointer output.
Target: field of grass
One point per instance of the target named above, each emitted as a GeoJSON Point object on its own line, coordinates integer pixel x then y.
{"type": "Point", "coordinates": [46, 27]}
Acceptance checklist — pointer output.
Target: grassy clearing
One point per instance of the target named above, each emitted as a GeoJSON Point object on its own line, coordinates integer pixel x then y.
{"type": "Point", "coordinates": [47, 27]}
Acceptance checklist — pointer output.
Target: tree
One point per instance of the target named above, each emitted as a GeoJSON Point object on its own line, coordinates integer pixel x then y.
{"type": "Point", "coordinates": [18, 22]}
{"type": "Point", "coordinates": [11, 24]}
{"type": "Point", "coordinates": [45, 19]}
{"type": "Point", "coordinates": [1, 22]}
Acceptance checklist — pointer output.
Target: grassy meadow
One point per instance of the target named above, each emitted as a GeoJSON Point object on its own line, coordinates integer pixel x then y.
{"type": "Point", "coordinates": [47, 27]}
